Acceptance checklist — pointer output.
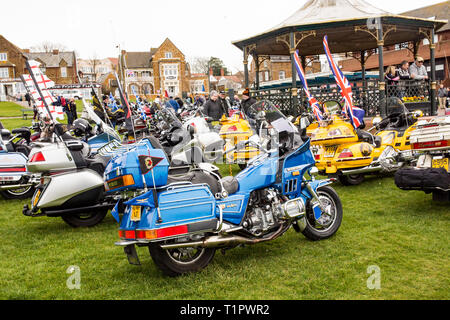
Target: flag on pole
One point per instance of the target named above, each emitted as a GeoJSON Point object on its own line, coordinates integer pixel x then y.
{"type": "Point", "coordinates": [355, 114]}
{"type": "Point", "coordinates": [166, 94]}
{"type": "Point", "coordinates": [128, 120]}
{"type": "Point", "coordinates": [44, 83]}
{"type": "Point", "coordinates": [312, 101]}
{"type": "Point", "coordinates": [139, 104]}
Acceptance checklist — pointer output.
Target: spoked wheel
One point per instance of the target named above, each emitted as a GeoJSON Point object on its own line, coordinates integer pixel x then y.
{"type": "Point", "coordinates": [330, 221]}
{"type": "Point", "coordinates": [18, 194]}
{"type": "Point", "coordinates": [176, 262]}
{"type": "Point", "coordinates": [351, 180]}
{"type": "Point", "coordinates": [84, 220]}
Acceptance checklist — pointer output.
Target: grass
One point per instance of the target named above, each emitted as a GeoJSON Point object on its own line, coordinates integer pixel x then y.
{"type": "Point", "coordinates": [10, 109]}
{"type": "Point", "coordinates": [405, 234]}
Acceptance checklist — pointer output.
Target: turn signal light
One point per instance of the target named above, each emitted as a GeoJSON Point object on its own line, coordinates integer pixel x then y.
{"type": "Point", "coordinates": [37, 157]}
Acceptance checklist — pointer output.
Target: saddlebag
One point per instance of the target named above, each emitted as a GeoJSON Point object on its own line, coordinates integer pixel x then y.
{"type": "Point", "coordinates": [422, 179]}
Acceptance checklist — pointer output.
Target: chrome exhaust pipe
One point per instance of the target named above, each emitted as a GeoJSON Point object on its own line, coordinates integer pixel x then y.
{"type": "Point", "coordinates": [15, 186]}
{"type": "Point", "coordinates": [222, 241]}
{"type": "Point", "coordinates": [364, 170]}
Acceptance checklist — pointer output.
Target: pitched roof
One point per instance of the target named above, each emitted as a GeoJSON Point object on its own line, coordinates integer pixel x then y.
{"type": "Point", "coordinates": [138, 59]}
{"type": "Point", "coordinates": [53, 60]}
{"type": "Point", "coordinates": [440, 11]}
{"type": "Point", "coordinates": [114, 61]}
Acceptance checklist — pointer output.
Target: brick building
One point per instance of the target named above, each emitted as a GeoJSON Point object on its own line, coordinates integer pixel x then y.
{"type": "Point", "coordinates": [153, 72]}
{"type": "Point", "coordinates": [12, 65]}
{"type": "Point", "coordinates": [275, 68]}
{"type": "Point", "coordinates": [93, 69]}
{"type": "Point", "coordinates": [59, 66]}
{"type": "Point", "coordinates": [394, 55]}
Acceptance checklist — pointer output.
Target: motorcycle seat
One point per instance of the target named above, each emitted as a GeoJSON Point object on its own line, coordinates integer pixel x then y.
{"type": "Point", "coordinates": [6, 134]}
{"type": "Point", "coordinates": [98, 163]}
{"type": "Point", "coordinates": [369, 138]}
{"type": "Point", "coordinates": [230, 184]}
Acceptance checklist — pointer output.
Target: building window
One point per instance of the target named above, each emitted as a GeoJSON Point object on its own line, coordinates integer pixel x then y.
{"type": "Point", "coordinates": [4, 73]}
{"type": "Point", "coordinates": [282, 75]}
{"type": "Point", "coordinates": [134, 89]}
{"type": "Point", "coordinates": [63, 72]}
{"type": "Point", "coordinates": [168, 55]}
{"type": "Point", "coordinates": [266, 76]}
{"type": "Point", "coordinates": [3, 56]}
{"type": "Point", "coordinates": [146, 74]}
{"type": "Point", "coordinates": [170, 70]}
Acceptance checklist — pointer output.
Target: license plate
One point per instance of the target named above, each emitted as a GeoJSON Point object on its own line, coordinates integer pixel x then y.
{"type": "Point", "coordinates": [135, 213]}
{"type": "Point", "coordinates": [36, 197]}
{"type": "Point", "coordinates": [330, 152]}
{"type": "Point", "coordinates": [441, 163]}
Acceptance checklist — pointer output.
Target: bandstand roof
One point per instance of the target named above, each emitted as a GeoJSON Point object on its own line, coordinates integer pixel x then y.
{"type": "Point", "coordinates": [338, 19]}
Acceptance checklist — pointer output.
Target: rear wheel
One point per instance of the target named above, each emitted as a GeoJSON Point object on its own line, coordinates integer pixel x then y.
{"type": "Point", "coordinates": [351, 180]}
{"type": "Point", "coordinates": [177, 262]}
{"type": "Point", "coordinates": [330, 221]}
{"type": "Point", "coordinates": [84, 220]}
{"type": "Point", "coordinates": [18, 194]}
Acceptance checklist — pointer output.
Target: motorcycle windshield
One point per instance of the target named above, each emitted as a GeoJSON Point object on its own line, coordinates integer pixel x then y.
{"type": "Point", "coordinates": [169, 117]}
{"type": "Point", "coordinates": [266, 110]}
{"type": "Point", "coordinates": [92, 116]}
{"type": "Point", "coordinates": [395, 105]}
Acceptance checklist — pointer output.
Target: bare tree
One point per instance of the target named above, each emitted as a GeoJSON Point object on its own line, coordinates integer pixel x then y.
{"type": "Point", "coordinates": [199, 64]}
{"type": "Point", "coordinates": [48, 46]}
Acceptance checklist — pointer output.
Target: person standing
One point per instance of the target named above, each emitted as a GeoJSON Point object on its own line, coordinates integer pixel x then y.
{"type": "Point", "coordinates": [225, 103]}
{"type": "Point", "coordinates": [247, 101]}
{"type": "Point", "coordinates": [67, 109]}
{"type": "Point", "coordinates": [73, 108]}
{"type": "Point", "coordinates": [417, 70]}
{"type": "Point", "coordinates": [212, 107]}
{"type": "Point", "coordinates": [442, 97]}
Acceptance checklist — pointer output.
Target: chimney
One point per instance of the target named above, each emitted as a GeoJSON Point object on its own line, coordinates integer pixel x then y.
{"type": "Point", "coordinates": [55, 52]}
{"type": "Point", "coordinates": [222, 73]}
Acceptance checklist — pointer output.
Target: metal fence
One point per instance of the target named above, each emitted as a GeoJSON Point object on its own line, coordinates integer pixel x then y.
{"type": "Point", "coordinates": [414, 94]}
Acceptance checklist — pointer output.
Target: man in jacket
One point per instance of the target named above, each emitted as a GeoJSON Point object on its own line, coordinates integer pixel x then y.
{"type": "Point", "coordinates": [213, 108]}
{"type": "Point", "coordinates": [224, 103]}
{"type": "Point", "coordinates": [247, 101]}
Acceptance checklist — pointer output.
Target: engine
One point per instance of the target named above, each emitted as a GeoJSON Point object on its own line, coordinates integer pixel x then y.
{"type": "Point", "coordinates": [266, 212]}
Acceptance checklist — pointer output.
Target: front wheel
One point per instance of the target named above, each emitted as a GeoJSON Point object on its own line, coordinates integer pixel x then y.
{"type": "Point", "coordinates": [177, 262]}
{"type": "Point", "coordinates": [84, 220]}
{"type": "Point", "coordinates": [330, 221]}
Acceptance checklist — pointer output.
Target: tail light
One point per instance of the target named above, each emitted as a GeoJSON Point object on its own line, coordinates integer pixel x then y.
{"type": "Point", "coordinates": [1, 148]}
{"type": "Point", "coordinates": [431, 144]}
{"type": "Point", "coordinates": [346, 153]}
{"type": "Point", "coordinates": [153, 234]}
{"type": "Point", "coordinates": [37, 157]}
{"type": "Point", "coordinates": [13, 169]}
{"type": "Point", "coordinates": [317, 157]}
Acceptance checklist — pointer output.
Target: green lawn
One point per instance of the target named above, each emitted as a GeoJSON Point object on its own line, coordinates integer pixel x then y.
{"type": "Point", "coordinates": [10, 109]}
{"type": "Point", "coordinates": [405, 234]}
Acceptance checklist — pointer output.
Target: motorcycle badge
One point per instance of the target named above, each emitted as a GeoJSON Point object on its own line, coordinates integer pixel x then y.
{"type": "Point", "coordinates": [147, 163]}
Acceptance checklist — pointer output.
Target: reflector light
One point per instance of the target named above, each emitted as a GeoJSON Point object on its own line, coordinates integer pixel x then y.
{"type": "Point", "coordinates": [431, 144]}
{"type": "Point", "coordinates": [346, 153]}
{"type": "Point", "coordinates": [317, 157]}
{"type": "Point", "coordinates": [15, 169]}
{"type": "Point", "coordinates": [130, 234]}
{"type": "Point", "coordinates": [37, 157]}
{"type": "Point", "coordinates": [155, 234]}
{"type": "Point", "coordinates": [232, 129]}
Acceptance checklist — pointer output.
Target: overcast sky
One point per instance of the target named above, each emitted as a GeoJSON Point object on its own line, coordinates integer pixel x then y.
{"type": "Point", "coordinates": [197, 27]}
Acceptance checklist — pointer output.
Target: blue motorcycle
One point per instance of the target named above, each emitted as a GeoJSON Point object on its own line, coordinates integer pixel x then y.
{"type": "Point", "coordinates": [183, 223]}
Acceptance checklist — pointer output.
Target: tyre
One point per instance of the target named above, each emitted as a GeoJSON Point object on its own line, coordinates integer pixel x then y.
{"type": "Point", "coordinates": [84, 220]}
{"type": "Point", "coordinates": [351, 180]}
{"type": "Point", "coordinates": [18, 194]}
{"type": "Point", "coordinates": [177, 262]}
{"type": "Point", "coordinates": [330, 221]}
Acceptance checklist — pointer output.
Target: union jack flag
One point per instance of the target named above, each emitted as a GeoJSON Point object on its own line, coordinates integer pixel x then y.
{"type": "Point", "coordinates": [143, 115]}
{"type": "Point", "coordinates": [355, 114]}
{"type": "Point", "coordinates": [312, 101]}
